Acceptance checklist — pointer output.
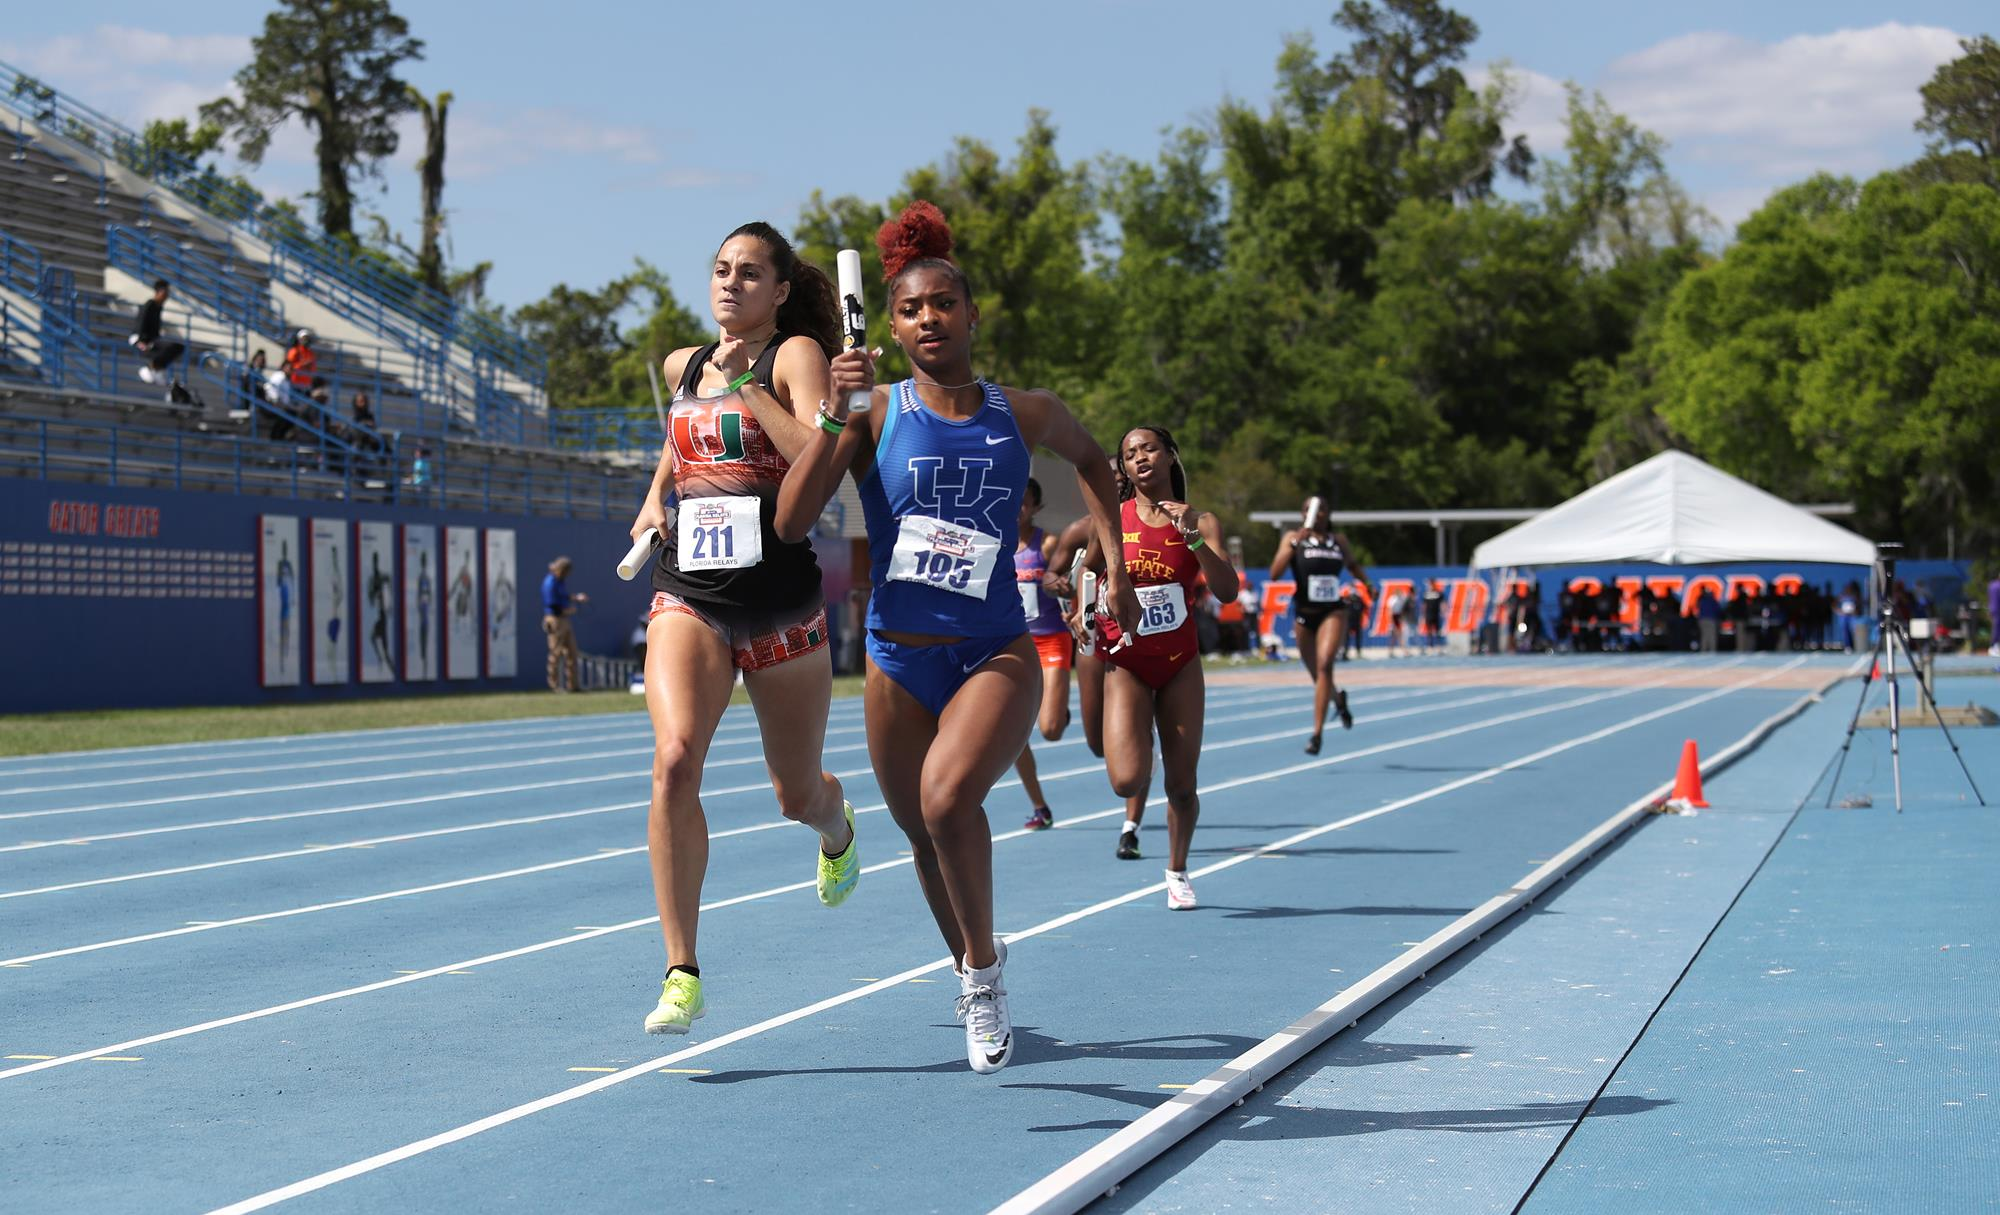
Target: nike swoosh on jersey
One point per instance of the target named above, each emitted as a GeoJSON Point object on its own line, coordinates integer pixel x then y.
{"type": "Point", "coordinates": [993, 439]}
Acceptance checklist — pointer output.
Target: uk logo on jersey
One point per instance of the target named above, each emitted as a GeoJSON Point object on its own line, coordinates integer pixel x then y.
{"type": "Point", "coordinates": [960, 494]}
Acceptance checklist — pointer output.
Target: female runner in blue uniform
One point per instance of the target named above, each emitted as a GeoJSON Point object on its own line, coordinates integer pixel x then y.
{"type": "Point", "coordinates": [953, 682]}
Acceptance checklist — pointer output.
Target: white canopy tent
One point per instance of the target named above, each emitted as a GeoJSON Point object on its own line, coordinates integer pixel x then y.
{"type": "Point", "coordinates": [1674, 510]}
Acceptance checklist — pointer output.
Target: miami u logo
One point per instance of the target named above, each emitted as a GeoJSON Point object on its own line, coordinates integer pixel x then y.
{"type": "Point", "coordinates": [704, 437]}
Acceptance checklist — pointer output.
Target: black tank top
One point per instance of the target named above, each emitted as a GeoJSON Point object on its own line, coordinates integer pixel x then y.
{"type": "Point", "coordinates": [719, 451]}
{"type": "Point", "coordinates": [1316, 565]}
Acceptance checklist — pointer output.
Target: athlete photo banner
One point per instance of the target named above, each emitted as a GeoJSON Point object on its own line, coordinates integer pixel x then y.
{"type": "Point", "coordinates": [332, 594]}
{"type": "Point", "coordinates": [462, 632]}
{"type": "Point", "coordinates": [420, 602]}
{"type": "Point", "coordinates": [503, 576]}
{"type": "Point", "coordinates": [375, 571]}
{"type": "Point", "coordinates": [279, 602]}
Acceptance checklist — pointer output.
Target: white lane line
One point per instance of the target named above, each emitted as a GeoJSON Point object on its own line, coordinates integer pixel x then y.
{"type": "Point", "coordinates": [1100, 1169]}
{"type": "Point", "coordinates": [294, 764]}
{"type": "Point", "coordinates": [370, 842]}
{"type": "Point", "coordinates": [622, 753]}
{"type": "Point", "coordinates": [565, 782]}
{"type": "Point", "coordinates": [750, 732]}
{"type": "Point", "coordinates": [311, 746]}
{"type": "Point", "coordinates": [525, 820]}
{"type": "Point", "coordinates": [738, 719]}
{"type": "Point", "coordinates": [358, 1168]}
{"type": "Point", "coordinates": [1003, 836]}
{"type": "Point", "coordinates": [194, 926]}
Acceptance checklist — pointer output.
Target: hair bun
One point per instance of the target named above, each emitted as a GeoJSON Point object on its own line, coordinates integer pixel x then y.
{"type": "Point", "coordinates": [919, 232]}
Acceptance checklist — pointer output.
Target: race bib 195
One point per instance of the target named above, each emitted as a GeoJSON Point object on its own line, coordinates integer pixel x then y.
{"type": "Point", "coordinates": [719, 534]}
{"type": "Point", "coordinates": [1323, 588]}
{"type": "Point", "coordinates": [1162, 609]}
{"type": "Point", "coordinates": [931, 552]}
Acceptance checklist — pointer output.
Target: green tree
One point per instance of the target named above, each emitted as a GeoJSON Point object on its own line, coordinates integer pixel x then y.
{"type": "Point", "coordinates": [1020, 228]}
{"type": "Point", "coordinates": [595, 360]}
{"type": "Point", "coordinates": [332, 65]}
{"type": "Point", "coordinates": [1962, 106]}
{"type": "Point", "coordinates": [430, 171]}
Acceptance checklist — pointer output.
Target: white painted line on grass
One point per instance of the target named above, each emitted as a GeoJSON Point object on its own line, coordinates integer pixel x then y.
{"type": "Point", "coordinates": [381, 1160]}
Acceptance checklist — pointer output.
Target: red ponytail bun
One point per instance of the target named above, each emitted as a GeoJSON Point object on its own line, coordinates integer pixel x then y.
{"type": "Point", "coordinates": [919, 232]}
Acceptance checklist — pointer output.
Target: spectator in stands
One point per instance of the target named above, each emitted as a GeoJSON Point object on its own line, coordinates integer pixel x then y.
{"type": "Point", "coordinates": [321, 395]}
{"type": "Point", "coordinates": [364, 415]}
{"type": "Point", "coordinates": [558, 605]}
{"type": "Point", "coordinates": [253, 378]}
{"type": "Point", "coordinates": [420, 469]}
{"type": "Point", "coordinates": [160, 353]}
{"type": "Point", "coordinates": [301, 364]}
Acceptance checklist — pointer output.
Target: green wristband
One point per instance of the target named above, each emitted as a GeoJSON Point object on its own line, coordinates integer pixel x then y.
{"type": "Point", "coordinates": [741, 380]}
{"type": "Point", "coordinates": [1194, 541]}
{"type": "Point", "coordinates": [831, 424]}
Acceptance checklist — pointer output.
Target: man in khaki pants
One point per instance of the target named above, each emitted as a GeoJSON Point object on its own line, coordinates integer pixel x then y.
{"type": "Point", "coordinates": [558, 605]}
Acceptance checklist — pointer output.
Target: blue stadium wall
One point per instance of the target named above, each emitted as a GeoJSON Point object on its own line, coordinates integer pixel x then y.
{"type": "Point", "coordinates": [122, 597]}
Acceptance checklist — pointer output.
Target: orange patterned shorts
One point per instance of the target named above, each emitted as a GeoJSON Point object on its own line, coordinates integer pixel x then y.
{"type": "Point", "coordinates": [756, 642]}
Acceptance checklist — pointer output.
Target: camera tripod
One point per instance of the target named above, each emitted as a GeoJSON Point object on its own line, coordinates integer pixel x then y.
{"type": "Point", "coordinates": [1891, 633]}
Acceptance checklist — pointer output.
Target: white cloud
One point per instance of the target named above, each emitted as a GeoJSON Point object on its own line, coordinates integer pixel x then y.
{"type": "Point", "coordinates": [1743, 118]}
{"type": "Point", "coordinates": [1819, 92]}
{"type": "Point", "coordinates": [135, 75]}
{"type": "Point", "coordinates": [481, 140]}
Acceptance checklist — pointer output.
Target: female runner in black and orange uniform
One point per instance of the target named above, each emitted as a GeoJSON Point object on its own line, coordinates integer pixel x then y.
{"type": "Point", "coordinates": [731, 594]}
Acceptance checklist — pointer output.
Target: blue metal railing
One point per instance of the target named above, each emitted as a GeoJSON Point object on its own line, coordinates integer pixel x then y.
{"type": "Point", "coordinates": [20, 266]}
{"type": "Point", "coordinates": [61, 449]}
{"type": "Point", "coordinates": [237, 300]}
{"type": "Point", "coordinates": [393, 285]}
{"type": "Point", "coordinates": [608, 430]}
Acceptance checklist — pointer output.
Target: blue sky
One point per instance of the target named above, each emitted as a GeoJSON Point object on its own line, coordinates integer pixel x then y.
{"type": "Point", "coordinates": [590, 132]}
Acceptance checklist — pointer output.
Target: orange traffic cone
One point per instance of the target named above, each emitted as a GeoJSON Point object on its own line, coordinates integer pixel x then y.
{"type": "Point", "coordinates": [1687, 796]}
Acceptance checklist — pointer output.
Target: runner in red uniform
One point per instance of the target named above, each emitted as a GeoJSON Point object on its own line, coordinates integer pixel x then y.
{"type": "Point", "coordinates": [1155, 676]}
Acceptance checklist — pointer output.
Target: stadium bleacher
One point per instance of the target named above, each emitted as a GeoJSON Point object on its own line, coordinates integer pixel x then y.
{"type": "Point", "coordinates": [82, 236]}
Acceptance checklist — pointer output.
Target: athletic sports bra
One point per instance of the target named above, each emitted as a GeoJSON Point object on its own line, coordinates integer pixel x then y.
{"type": "Point", "coordinates": [943, 503]}
{"type": "Point", "coordinates": [723, 550]}
{"type": "Point", "coordinates": [1316, 565]}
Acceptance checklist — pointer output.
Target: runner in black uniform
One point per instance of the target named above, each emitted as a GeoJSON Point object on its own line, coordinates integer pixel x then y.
{"type": "Point", "coordinates": [1314, 556]}
{"type": "Point", "coordinates": [729, 594]}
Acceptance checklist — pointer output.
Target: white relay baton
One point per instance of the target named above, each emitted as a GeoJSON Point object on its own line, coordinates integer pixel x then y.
{"type": "Point", "coordinates": [641, 552]}
{"type": "Point", "coordinates": [853, 321]}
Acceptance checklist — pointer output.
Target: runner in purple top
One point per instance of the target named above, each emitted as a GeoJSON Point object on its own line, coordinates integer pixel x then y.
{"type": "Point", "coordinates": [1054, 647]}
